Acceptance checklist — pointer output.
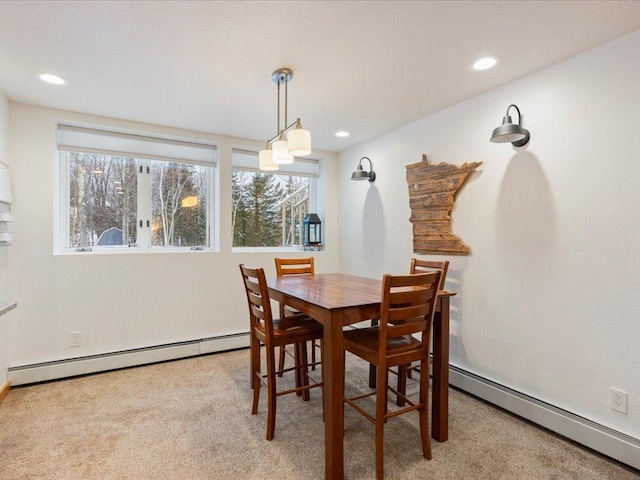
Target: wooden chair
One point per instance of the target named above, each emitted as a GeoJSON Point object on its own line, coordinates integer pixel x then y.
{"type": "Point", "coordinates": [273, 333]}
{"type": "Point", "coordinates": [419, 266]}
{"type": "Point", "coordinates": [408, 303]}
{"type": "Point", "coordinates": [295, 266]}
{"type": "Point", "coordinates": [405, 371]}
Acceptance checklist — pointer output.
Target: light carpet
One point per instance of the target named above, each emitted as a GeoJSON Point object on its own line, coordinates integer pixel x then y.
{"type": "Point", "coordinates": [190, 419]}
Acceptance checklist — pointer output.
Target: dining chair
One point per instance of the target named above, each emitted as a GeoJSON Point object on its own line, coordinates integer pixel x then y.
{"type": "Point", "coordinates": [295, 266]}
{"type": "Point", "coordinates": [419, 266]}
{"type": "Point", "coordinates": [407, 306]}
{"type": "Point", "coordinates": [273, 333]}
{"type": "Point", "coordinates": [405, 371]}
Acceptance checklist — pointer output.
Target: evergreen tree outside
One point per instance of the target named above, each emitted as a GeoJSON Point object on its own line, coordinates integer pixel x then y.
{"type": "Point", "coordinates": [257, 208]}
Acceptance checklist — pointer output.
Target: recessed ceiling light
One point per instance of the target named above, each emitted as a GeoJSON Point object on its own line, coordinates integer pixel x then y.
{"type": "Point", "coordinates": [342, 133]}
{"type": "Point", "coordinates": [52, 79]}
{"type": "Point", "coordinates": [485, 63]}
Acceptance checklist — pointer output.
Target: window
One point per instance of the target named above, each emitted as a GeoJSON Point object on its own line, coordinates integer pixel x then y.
{"type": "Point", "coordinates": [268, 207]}
{"type": "Point", "coordinates": [129, 191]}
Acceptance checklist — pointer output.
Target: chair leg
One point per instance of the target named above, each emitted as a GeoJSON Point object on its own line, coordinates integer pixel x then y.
{"type": "Point", "coordinates": [402, 384]}
{"type": "Point", "coordinates": [254, 357]}
{"type": "Point", "coordinates": [372, 375]}
{"type": "Point", "coordinates": [423, 411]}
{"type": "Point", "coordinates": [313, 355]}
{"type": "Point", "coordinates": [381, 410]}
{"type": "Point", "coordinates": [297, 358]}
{"type": "Point", "coordinates": [281, 361]}
{"type": "Point", "coordinates": [304, 371]}
{"type": "Point", "coordinates": [255, 372]}
{"type": "Point", "coordinates": [271, 393]}
{"type": "Point", "coordinates": [372, 368]}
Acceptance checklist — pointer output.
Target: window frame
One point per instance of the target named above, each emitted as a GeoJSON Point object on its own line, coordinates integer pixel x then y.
{"type": "Point", "coordinates": [144, 203]}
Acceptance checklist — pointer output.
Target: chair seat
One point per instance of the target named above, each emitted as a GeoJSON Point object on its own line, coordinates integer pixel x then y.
{"type": "Point", "coordinates": [295, 324]}
{"type": "Point", "coordinates": [295, 329]}
{"type": "Point", "coordinates": [367, 341]}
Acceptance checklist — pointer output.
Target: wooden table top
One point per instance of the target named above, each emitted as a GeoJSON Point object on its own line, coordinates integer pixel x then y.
{"type": "Point", "coordinates": [333, 290]}
{"type": "Point", "coordinates": [330, 290]}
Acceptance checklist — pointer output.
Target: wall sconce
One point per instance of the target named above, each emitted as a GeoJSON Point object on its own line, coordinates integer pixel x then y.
{"type": "Point", "coordinates": [510, 132]}
{"type": "Point", "coordinates": [361, 174]}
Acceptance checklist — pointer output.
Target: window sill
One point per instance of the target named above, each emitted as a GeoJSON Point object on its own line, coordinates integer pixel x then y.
{"type": "Point", "coordinates": [266, 249]}
{"type": "Point", "coordinates": [133, 251]}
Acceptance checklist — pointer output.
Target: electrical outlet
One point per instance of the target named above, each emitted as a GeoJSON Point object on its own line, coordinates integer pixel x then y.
{"type": "Point", "coordinates": [75, 339]}
{"type": "Point", "coordinates": [619, 400]}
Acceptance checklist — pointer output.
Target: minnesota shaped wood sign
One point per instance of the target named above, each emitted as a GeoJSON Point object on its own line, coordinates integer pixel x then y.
{"type": "Point", "coordinates": [432, 192]}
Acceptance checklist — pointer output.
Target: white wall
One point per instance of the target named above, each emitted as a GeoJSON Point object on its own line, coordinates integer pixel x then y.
{"type": "Point", "coordinates": [547, 300]}
{"type": "Point", "coordinates": [124, 301]}
{"type": "Point", "coordinates": [4, 251]}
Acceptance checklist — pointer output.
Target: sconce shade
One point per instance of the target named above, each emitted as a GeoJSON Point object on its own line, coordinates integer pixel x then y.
{"type": "Point", "coordinates": [299, 142]}
{"type": "Point", "coordinates": [280, 151]}
{"type": "Point", "coordinates": [361, 174]}
{"type": "Point", "coordinates": [510, 132]}
{"type": "Point", "coordinates": [265, 159]}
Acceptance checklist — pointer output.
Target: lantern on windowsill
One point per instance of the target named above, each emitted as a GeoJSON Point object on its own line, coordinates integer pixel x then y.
{"type": "Point", "coordinates": [311, 232]}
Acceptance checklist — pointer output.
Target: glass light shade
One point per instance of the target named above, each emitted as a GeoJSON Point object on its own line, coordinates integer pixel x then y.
{"type": "Point", "coordinates": [281, 153]}
{"type": "Point", "coordinates": [299, 142]}
{"type": "Point", "coordinates": [265, 159]}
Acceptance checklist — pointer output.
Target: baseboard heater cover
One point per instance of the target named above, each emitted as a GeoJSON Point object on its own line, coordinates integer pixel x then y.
{"type": "Point", "coordinates": [42, 372]}
{"type": "Point", "coordinates": [600, 438]}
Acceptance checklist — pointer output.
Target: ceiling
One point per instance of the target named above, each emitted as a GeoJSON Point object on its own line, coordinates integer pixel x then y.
{"type": "Point", "coordinates": [366, 67]}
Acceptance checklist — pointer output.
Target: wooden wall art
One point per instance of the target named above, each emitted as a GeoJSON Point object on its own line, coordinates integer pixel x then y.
{"type": "Point", "coordinates": [432, 191]}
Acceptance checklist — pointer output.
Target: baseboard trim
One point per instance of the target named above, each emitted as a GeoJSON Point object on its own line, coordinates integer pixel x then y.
{"type": "Point", "coordinates": [4, 391]}
{"type": "Point", "coordinates": [71, 367]}
{"type": "Point", "coordinates": [600, 438]}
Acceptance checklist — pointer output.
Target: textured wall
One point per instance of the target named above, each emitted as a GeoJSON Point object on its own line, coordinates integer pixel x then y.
{"type": "Point", "coordinates": [122, 301]}
{"type": "Point", "coordinates": [547, 298]}
{"type": "Point", "coordinates": [4, 251]}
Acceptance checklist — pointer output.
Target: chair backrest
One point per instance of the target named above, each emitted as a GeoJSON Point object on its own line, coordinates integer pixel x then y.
{"type": "Point", "coordinates": [255, 285]}
{"type": "Point", "coordinates": [294, 266]}
{"type": "Point", "coordinates": [420, 266]}
{"type": "Point", "coordinates": [408, 303]}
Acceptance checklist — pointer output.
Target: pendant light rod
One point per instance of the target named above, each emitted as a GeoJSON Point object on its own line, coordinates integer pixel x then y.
{"type": "Point", "coordinates": [278, 127]}
{"type": "Point", "coordinates": [286, 130]}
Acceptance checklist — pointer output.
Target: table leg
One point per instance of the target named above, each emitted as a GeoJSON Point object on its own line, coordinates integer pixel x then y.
{"type": "Point", "coordinates": [333, 365]}
{"type": "Point", "coordinates": [440, 396]}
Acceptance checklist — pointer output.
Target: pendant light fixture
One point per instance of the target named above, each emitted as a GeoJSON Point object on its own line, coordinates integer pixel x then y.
{"type": "Point", "coordinates": [291, 140]}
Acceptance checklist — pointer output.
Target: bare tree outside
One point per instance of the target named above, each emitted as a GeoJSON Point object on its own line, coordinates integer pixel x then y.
{"type": "Point", "coordinates": [104, 196]}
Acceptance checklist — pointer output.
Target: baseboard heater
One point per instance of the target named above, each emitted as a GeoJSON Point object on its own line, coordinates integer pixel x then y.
{"type": "Point", "coordinates": [600, 438]}
{"type": "Point", "coordinates": [71, 367]}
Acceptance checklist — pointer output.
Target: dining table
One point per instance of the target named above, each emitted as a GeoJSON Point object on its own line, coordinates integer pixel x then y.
{"type": "Point", "coordinates": [336, 300]}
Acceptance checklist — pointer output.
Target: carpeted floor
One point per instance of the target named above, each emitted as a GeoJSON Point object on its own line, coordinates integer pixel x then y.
{"type": "Point", "coordinates": [190, 419]}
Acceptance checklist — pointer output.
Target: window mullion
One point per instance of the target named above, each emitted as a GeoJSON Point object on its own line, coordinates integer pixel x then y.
{"type": "Point", "coordinates": [144, 204]}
